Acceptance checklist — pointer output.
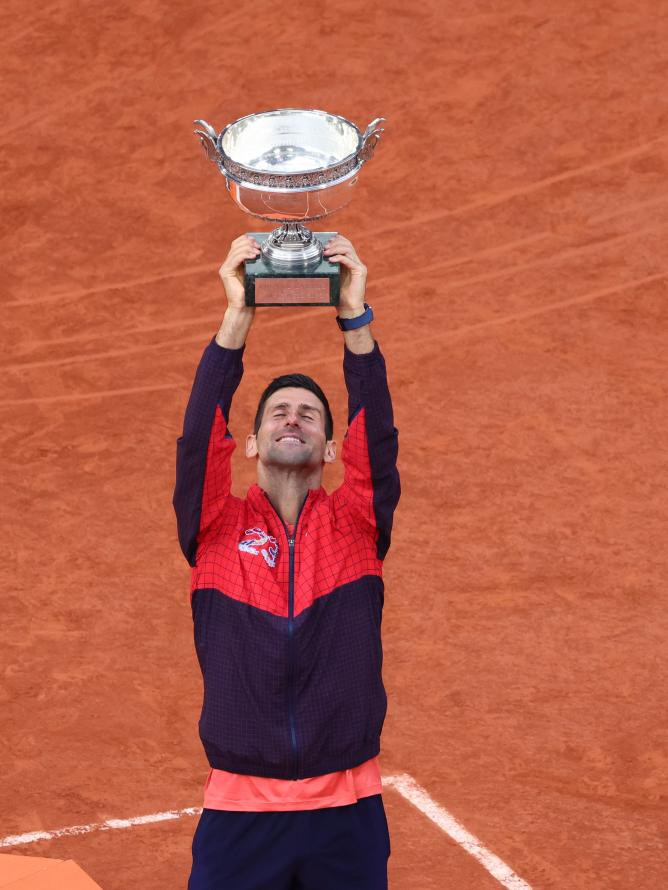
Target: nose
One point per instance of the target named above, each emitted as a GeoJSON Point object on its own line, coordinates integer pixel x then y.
{"type": "Point", "coordinates": [291, 426]}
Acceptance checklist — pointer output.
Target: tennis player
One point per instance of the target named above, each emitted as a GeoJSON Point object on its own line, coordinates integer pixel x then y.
{"type": "Point", "coordinates": [287, 597]}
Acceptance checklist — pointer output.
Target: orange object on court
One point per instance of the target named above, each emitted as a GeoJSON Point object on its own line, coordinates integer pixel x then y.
{"type": "Point", "coordinates": [40, 873]}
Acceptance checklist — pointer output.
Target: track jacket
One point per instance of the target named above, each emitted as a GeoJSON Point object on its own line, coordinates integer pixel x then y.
{"type": "Point", "coordinates": [288, 629]}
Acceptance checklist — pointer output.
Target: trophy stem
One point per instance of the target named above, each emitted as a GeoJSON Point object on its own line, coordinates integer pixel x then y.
{"type": "Point", "coordinates": [292, 245]}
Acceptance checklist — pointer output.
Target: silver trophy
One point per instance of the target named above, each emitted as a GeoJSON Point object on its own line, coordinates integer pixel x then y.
{"type": "Point", "coordinates": [290, 166]}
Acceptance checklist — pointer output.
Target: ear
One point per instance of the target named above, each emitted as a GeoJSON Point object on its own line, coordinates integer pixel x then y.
{"type": "Point", "coordinates": [330, 452]}
{"type": "Point", "coordinates": [251, 445]}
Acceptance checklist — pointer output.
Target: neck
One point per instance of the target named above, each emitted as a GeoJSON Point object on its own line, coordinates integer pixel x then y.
{"type": "Point", "coordinates": [287, 489]}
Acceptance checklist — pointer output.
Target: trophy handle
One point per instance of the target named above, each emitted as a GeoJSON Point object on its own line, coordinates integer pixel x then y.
{"type": "Point", "coordinates": [370, 139]}
{"type": "Point", "coordinates": [209, 139]}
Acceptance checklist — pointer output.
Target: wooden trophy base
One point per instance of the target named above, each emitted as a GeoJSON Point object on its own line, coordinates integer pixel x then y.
{"type": "Point", "coordinates": [316, 286]}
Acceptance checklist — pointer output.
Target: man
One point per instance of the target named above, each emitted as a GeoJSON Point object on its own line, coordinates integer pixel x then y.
{"type": "Point", "coordinates": [287, 598]}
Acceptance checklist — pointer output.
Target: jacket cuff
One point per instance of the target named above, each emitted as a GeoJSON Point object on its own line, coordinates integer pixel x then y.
{"type": "Point", "coordinates": [230, 359]}
{"type": "Point", "coordinates": [360, 363]}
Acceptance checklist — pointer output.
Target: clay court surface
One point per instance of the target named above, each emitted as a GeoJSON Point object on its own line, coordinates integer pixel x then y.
{"type": "Point", "coordinates": [514, 223]}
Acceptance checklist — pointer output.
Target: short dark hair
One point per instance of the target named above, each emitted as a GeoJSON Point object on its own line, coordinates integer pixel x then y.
{"type": "Point", "coordinates": [303, 382]}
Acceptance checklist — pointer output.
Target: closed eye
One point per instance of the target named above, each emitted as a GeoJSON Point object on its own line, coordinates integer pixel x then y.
{"type": "Point", "coordinates": [305, 416]}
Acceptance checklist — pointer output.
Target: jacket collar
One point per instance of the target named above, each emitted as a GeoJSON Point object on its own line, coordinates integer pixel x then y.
{"type": "Point", "coordinates": [259, 500]}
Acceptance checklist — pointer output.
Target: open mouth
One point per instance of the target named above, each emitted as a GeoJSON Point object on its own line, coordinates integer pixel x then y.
{"type": "Point", "coordinates": [294, 440]}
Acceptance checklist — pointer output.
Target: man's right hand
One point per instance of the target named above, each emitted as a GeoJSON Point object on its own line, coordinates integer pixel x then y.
{"type": "Point", "coordinates": [238, 317]}
{"type": "Point", "coordinates": [231, 272]}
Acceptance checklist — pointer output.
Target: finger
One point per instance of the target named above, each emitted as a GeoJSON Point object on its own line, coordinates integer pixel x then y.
{"type": "Point", "coordinates": [235, 258]}
{"type": "Point", "coordinates": [233, 268]}
{"type": "Point", "coordinates": [348, 261]}
{"type": "Point", "coordinates": [243, 239]}
{"type": "Point", "coordinates": [242, 250]}
{"type": "Point", "coordinates": [339, 241]}
{"type": "Point", "coordinates": [340, 249]}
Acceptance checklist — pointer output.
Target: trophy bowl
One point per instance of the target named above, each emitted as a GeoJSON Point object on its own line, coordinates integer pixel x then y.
{"type": "Point", "coordinates": [290, 166]}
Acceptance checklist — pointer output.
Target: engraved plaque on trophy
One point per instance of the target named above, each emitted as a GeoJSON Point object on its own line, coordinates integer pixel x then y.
{"type": "Point", "coordinates": [291, 166]}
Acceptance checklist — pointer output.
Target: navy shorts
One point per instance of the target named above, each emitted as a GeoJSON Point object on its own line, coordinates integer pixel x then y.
{"type": "Point", "coordinates": [333, 848]}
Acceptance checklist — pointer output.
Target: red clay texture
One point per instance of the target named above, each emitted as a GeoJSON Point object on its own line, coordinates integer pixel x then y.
{"type": "Point", "coordinates": [513, 222]}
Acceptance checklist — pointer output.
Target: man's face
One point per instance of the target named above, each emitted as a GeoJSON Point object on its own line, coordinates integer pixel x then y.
{"type": "Point", "coordinates": [292, 431]}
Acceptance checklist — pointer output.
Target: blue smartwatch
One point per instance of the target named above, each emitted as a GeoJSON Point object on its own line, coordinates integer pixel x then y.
{"type": "Point", "coordinates": [350, 324]}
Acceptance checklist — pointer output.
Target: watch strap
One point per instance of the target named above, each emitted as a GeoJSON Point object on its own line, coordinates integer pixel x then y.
{"type": "Point", "coordinates": [351, 324]}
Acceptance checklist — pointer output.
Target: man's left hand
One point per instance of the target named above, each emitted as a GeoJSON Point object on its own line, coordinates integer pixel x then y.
{"type": "Point", "coordinates": [353, 276]}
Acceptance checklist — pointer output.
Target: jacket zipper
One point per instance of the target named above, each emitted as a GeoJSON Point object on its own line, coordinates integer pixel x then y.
{"type": "Point", "coordinates": [291, 657]}
{"type": "Point", "coordinates": [291, 666]}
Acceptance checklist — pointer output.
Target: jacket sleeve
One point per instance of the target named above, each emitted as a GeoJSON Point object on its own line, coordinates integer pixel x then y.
{"type": "Point", "coordinates": [371, 485]}
{"type": "Point", "coordinates": [204, 451]}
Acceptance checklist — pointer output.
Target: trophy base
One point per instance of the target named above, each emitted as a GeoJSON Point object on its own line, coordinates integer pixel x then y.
{"type": "Point", "coordinates": [316, 284]}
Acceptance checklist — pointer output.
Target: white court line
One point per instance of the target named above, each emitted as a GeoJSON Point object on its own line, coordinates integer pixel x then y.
{"type": "Point", "coordinates": [415, 794]}
{"type": "Point", "coordinates": [403, 783]}
{"type": "Point", "coordinates": [13, 840]}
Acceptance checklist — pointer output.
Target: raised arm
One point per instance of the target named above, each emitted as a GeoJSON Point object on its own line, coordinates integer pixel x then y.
{"type": "Point", "coordinates": [371, 486]}
{"type": "Point", "coordinates": [204, 450]}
